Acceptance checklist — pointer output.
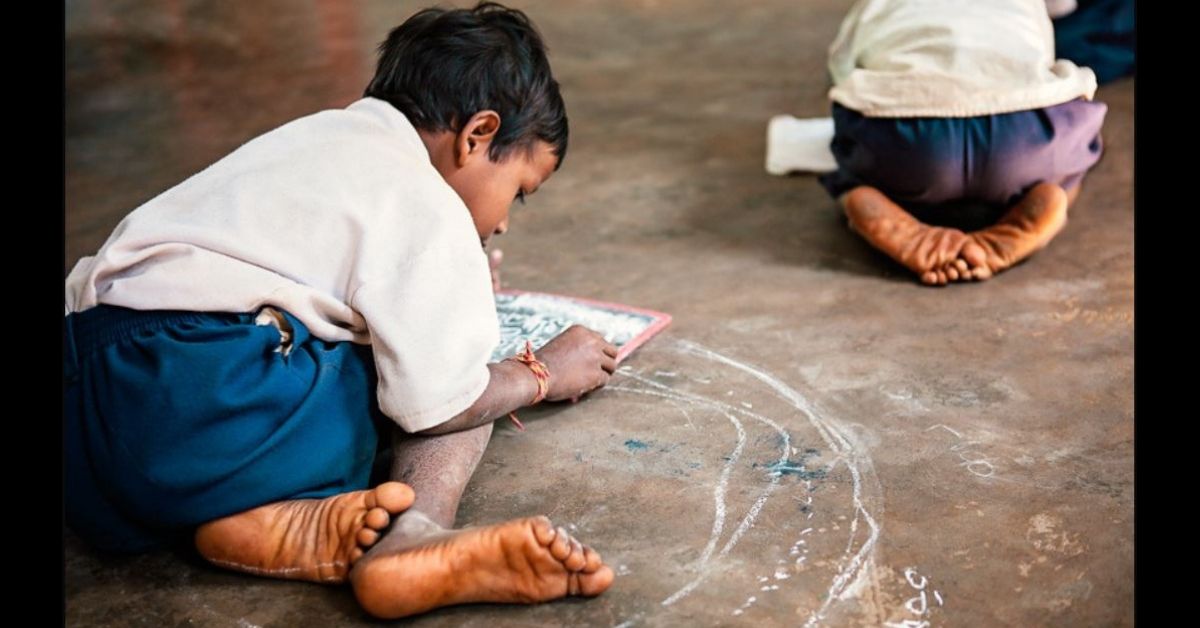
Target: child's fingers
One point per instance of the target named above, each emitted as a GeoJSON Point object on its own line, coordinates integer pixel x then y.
{"type": "Point", "coordinates": [609, 365]}
{"type": "Point", "coordinates": [610, 349]}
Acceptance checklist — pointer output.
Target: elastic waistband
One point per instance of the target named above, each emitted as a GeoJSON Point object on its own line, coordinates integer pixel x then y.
{"type": "Point", "coordinates": [103, 325]}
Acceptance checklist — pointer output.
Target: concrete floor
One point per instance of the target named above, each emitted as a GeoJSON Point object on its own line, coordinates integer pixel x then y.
{"type": "Point", "coordinates": [817, 439]}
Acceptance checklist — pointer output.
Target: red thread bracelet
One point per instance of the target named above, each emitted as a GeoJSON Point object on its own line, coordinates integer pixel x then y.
{"type": "Point", "coordinates": [540, 372]}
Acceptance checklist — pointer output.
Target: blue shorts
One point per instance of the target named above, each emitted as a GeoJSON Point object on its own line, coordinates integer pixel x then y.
{"type": "Point", "coordinates": [173, 419]}
{"type": "Point", "coordinates": [989, 159]}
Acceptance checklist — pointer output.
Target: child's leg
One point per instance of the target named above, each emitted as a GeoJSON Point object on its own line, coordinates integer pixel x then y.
{"type": "Point", "coordinates": [438, 469]}
{"type": "Point", "coordinates": [186, 422]}
{"type": "Point", "coordinates": [1025, 229]}
{"type": "Point", "coordinates": [422, 563]}
{"type": "Point", "coordinates": [1034, 162]}
{"type": "Point", "coordinates": [994, 159]}
{"type": "Point", "coordinates": [304, 539]}
{"type": "Point", "coordinates": [933, 253]}
{"type": "Point", "coordinates": [885, 161]}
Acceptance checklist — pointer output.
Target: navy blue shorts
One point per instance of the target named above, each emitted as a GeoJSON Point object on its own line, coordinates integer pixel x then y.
{"type": "Point", "coordinates": [173, 419]}
{"type": "Point", "coordinates": [989, 159]}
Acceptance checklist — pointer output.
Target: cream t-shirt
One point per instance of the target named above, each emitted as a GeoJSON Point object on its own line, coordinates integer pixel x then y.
{"type": "Point", "coordinates": [340, 219]}
{"type": "Point", "coordinates": [951, 58]}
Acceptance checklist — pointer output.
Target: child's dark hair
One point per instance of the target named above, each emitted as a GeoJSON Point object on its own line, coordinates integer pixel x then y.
{"type": "Point", "coordinates": [441, 66]}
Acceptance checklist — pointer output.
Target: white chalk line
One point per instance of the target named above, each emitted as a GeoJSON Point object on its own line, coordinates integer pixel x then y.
{"type": "Point", "coordinates": [835, 438]}
{"type": "Point", "coordinates": [838, 442]}
{"type": "Point", "coordinates": [719, 491]}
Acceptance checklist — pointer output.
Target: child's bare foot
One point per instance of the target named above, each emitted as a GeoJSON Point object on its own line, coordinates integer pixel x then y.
{"type": "Point", "coordinates": [928, 251]}
{"type": "Point", "coordinates": [304, 539]}
{"type": "Point", "coordinates": [1024, 230]}
{"type": "Point", "coordinates": [421, 566]}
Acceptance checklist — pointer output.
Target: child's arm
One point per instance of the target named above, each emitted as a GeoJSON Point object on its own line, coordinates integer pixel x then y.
{"type": "Point", "coordinates": [495, 256]}
{"type": "Point", "coordinates": [579, 360]}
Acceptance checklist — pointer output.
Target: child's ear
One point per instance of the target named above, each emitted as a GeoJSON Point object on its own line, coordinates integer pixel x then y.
{"type": "Point", "coordinates": [476, 136]}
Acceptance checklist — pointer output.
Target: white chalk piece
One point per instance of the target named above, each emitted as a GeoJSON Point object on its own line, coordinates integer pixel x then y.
{"type": "Point", "coordinates": [799, 145]}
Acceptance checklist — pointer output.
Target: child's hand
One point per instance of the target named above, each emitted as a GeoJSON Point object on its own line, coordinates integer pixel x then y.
{"type": "Point", "coordinates": [579, 361]}
{"type": "Point", "coordinates": [494, 258]}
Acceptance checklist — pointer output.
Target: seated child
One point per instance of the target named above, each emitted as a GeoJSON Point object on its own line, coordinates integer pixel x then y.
{"type": "Point", "coordinates": [942, 102]}
{"type": "Point", "coordinates": [237, 344]}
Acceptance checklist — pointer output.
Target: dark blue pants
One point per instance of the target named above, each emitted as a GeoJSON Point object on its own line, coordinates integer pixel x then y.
{"type": "Point", "coordinates": [993, 159]}
{"type": "Point", "coordinates": [173, 419]}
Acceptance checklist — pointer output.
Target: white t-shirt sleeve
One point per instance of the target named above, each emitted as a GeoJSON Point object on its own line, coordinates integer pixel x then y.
{"type": "Point", "coordinates": [433, 328]}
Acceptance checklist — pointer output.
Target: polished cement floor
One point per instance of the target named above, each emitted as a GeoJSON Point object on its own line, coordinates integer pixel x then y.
{"type": "Point", "coordinates": [816, 440]}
